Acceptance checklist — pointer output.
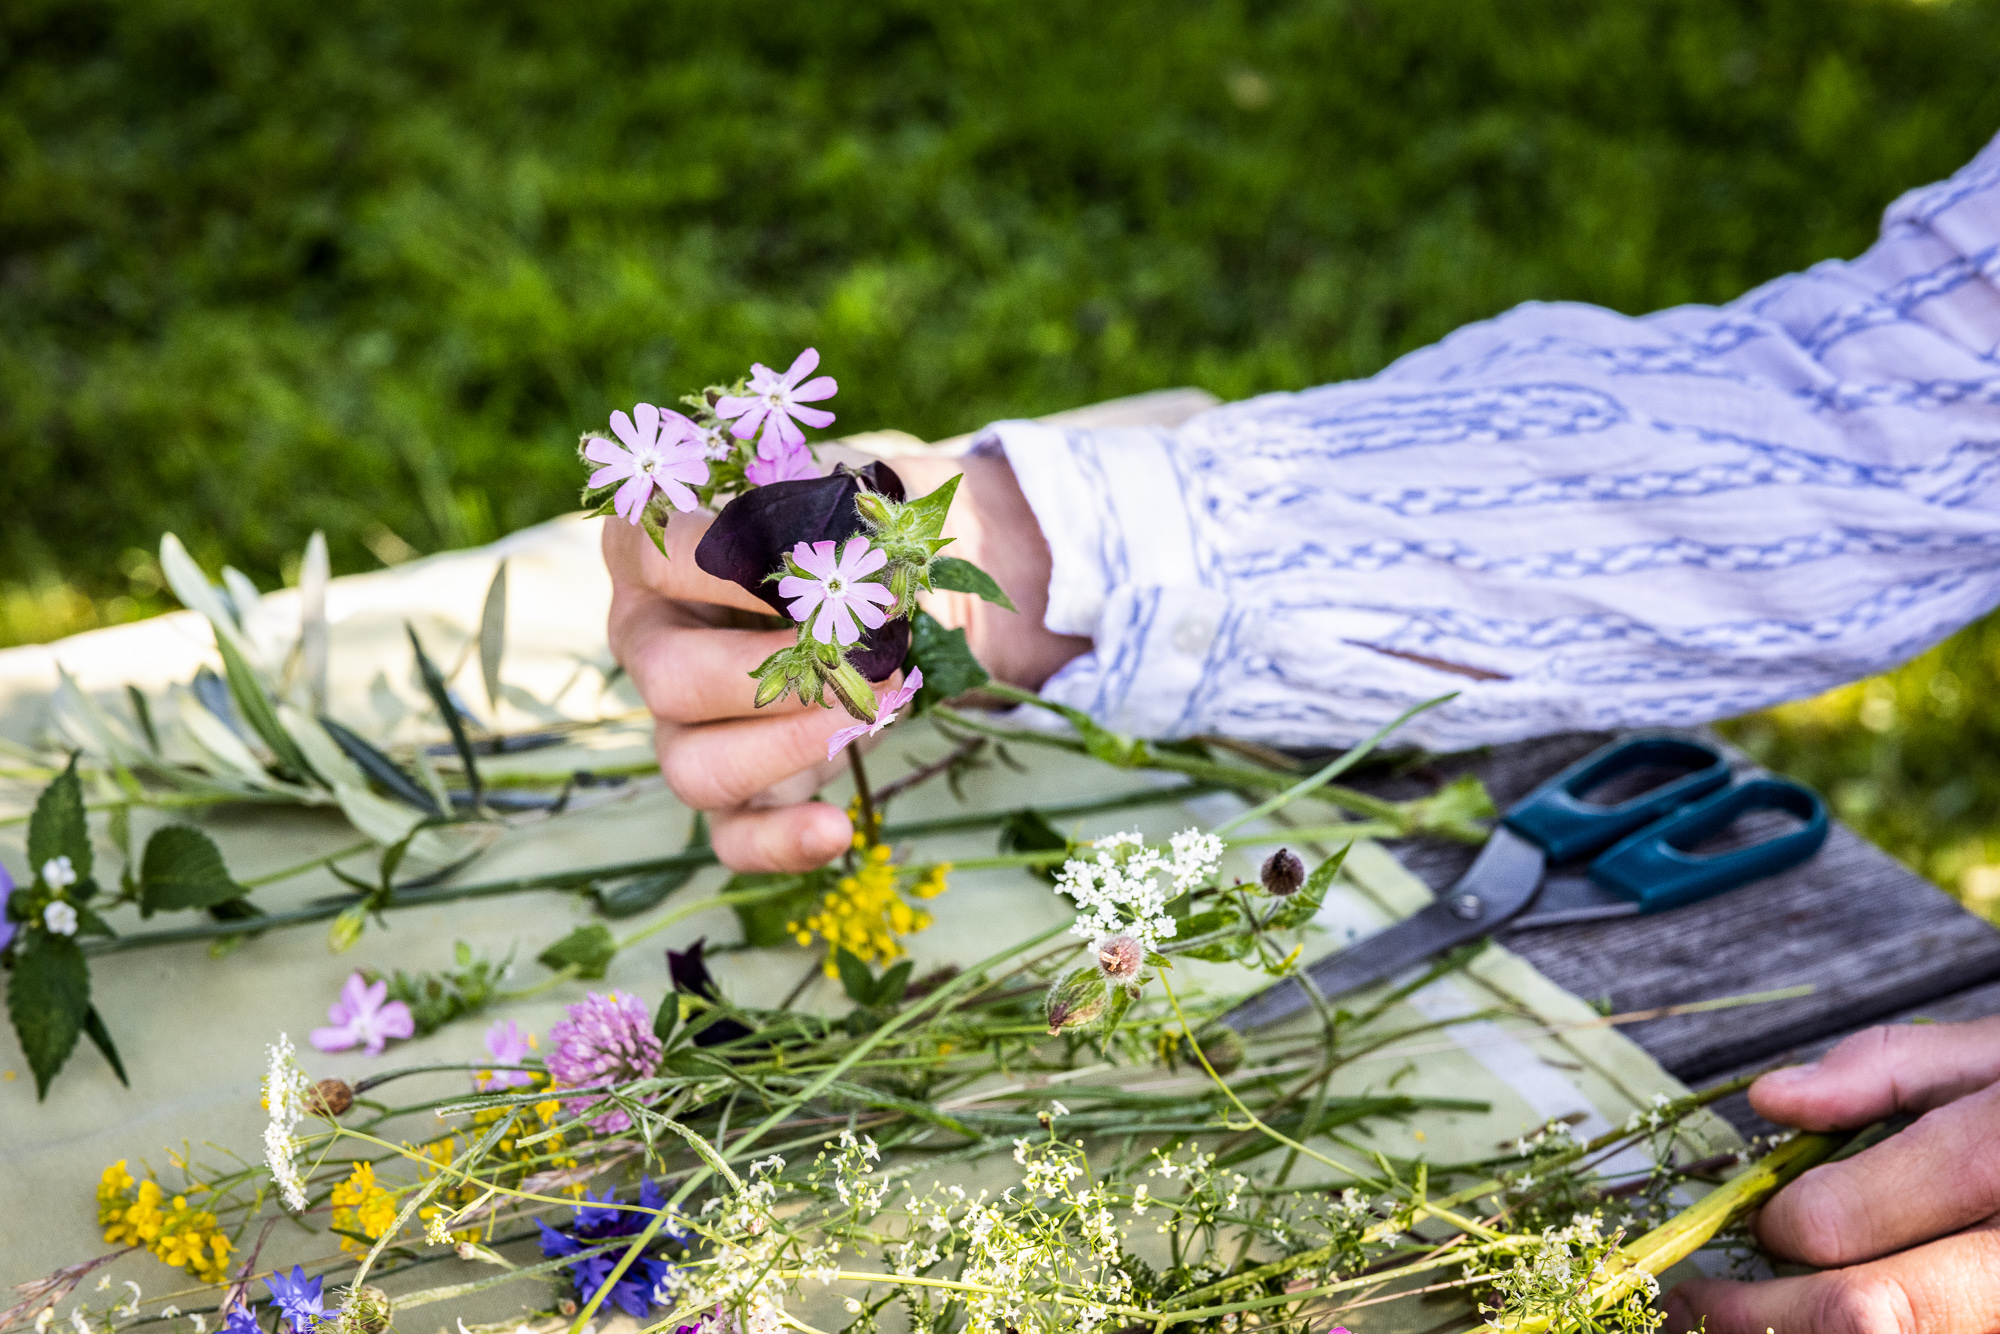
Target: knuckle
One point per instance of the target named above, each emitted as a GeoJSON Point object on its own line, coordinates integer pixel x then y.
{"type": "Point", "coordinates": [694, 777]}
{"type": "Point", "coordinates": [1813, 1216]}
{"type": "Point", "coordinates": [1858, 1302]}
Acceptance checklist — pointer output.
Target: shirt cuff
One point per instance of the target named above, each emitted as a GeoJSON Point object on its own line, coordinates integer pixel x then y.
{"type": "Point", "coordinates": [1113, 508]}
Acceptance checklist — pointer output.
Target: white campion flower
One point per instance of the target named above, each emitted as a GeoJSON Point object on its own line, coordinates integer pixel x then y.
{"type": "Point", "coordinates": [284, 1096]}
{"type": "Point", "coordinates": [59, 918]}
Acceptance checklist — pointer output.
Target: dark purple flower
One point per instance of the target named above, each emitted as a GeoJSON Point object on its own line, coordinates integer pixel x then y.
{"type": "Point", "coordinates": [299, 1298]}
{"type": "Point", "coordinates": [638, 1289]}
{"type": "Point", "coordinates": [691, 977]}
{"type": "Point", "coordinates": [606, 1040]}
{"type": "Point", "coordinates": [748, 541]}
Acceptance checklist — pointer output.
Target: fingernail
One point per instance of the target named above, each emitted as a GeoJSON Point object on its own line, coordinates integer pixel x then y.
{"type": "Point", "coordinates": [1793, 1074]}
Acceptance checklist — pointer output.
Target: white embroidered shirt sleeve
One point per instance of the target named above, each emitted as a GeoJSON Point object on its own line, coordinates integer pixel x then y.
{"type": "Point", "coordinates": [1612, 521]}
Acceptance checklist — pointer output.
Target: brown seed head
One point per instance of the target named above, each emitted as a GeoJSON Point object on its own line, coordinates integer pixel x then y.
{"type": "Point", "coordinates": [1283, 873]}
{"type": "Point", "coordinates": [332, 1096]}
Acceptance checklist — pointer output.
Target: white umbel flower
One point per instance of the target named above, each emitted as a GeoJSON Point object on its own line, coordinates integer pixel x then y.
{"type": "Point", "coordinates": [60, 918]}
{"type": "Point", "coordinates": [284, 1095]}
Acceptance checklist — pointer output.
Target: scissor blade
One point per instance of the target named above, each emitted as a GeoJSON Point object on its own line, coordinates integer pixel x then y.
{"type": "Point", "coordinates": [1501, 882]}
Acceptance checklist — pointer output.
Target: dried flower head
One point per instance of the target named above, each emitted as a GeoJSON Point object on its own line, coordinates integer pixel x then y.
{"type": "Point", "coordinates": [1120, 957]}
{"type": "Point", "coordinates": [1283, 873]}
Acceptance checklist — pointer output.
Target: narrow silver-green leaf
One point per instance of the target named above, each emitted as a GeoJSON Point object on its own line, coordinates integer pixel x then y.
{"type": "Point", "coordinates": [315, 572]}
{"type": "Point", "coordinates": [255, 706]}
{"type": "Point", "coordinates": [493, 639]}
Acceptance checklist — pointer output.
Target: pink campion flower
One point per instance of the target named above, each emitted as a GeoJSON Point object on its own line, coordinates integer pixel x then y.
{"type": "Point", "coordinates": [662, 448]}
{"type": "Point", "coordinates": [774, 402]}
{"type": "Point", "coordinates": [606, 1040]}
{"type": "Point", "coordinates": [885, 713]}
{"type": "Point", "coordinates": [364, 1017]}
{"type": "Point", "coordinates": [791, 465]}
{"type": "Point", "coordinates": [508, 1045]}
{"type": "Point", "coordinates": [829, 602]}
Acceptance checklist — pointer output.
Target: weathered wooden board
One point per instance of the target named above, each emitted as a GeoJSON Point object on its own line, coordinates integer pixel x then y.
{"type": "Point", "coordinates": [1871, 937]}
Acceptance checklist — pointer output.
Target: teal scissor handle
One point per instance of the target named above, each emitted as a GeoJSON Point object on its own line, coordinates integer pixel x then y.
{"type": "Point", "coordinates": [1562, 824]}
{"type": "Point", "coordinates": [1655, 869]}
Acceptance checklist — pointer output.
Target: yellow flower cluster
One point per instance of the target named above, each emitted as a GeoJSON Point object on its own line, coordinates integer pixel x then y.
{"type": "Point", "coordinates": [865, 915]}
{"type": "Point", "coordinates": [139, 1213]}
{"type": "Point", "coordinates": [362, 1205]}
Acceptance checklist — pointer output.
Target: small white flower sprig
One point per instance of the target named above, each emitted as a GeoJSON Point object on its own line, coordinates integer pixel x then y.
{"type": "Point", "coordinates": [1140, 904]}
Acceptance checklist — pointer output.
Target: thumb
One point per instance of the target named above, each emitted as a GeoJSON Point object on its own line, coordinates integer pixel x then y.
{"type": "Point", "coordinates": [1881, 1071]}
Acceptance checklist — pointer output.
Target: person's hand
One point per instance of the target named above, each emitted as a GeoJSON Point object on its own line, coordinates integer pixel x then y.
{"type": "Point", "coordinates": [690, 642]}
{"type": "Point", "coordinates": [1907, 1232]}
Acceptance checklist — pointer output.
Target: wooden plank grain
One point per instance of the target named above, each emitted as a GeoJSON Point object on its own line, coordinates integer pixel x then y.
{"type": "Point", "coordinates": [1868, 935]}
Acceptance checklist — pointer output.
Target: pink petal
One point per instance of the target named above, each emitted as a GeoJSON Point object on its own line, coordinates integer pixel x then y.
{"type": "Point", "coordinates": [812, 391]}
{"type": "Point", "coordinates": [685, 464]}
{"type": "Point", "coordinates": [396, 1021]}
{"type": "Point", "coordinates": [802, 610]}
{"type": "Point", "coordinates": [632, 497]}
{"type": "Point", "coordinates": [816, 418]}
{"type": "Point", "coordinates": [333, 1039]}
{"type": "Point", "coordinates": [844, 631]}
{"type": "Point", "coordinates": [677, 495]}
{"type": "Point", "coordinates": [612, 472]}
{"type": "Point", "coordinates": [675, 427]}
{"type": "Point", "coordinates": [648, 418]}
{"type": "Point", "coordinates": [858, 558]}
{"type": "Point", "coordinates": [862, 594]}
{"type": "Point", "coordinates": [871, 616]}
{"type": "Point", "coordinates": [840, 740]}
{"type": "Point", "coordinates": [621, 426]}
{"type": "Point", "coordinates": [753, 416]}
{"type": "Point", "coordinates": [372, 998]}
{"type": "Point", "coordinates": [763, 379]}
{"type": "Point", "coordinates": [806, 363]}
{"type": "Point", "coordinates": [816, 559]}
{"type": "Point", "coordinates": [788, 434]}
{"type": "Point", "coordinates": [791, 586]}
{"type": "Point", "coordinates": [599, 450]}
{"type": "Point", "coordinates": [729, 407]}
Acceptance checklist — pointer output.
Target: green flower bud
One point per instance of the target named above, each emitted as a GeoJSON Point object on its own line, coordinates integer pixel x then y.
{"type": "Point", "coordinates": [853, 691]}
{"type": "Point", "coordinates": [345, 933]}
{"type": "Point", "coordinates": [1076, 1000]}
{"type": "Point", "coordinates": [876, 508]}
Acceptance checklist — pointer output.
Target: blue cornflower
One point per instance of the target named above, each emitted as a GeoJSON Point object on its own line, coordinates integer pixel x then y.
{"type": "Point", "coordinates": [595, 1223]}
{"type": "Point", "coordinates": [299, 1298]}
{"type": "Point", "coordinates": [240, 1321]}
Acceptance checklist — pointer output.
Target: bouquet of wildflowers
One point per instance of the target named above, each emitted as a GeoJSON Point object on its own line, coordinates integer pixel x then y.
{"type": "Point", "coordinates": [1060, 1135]}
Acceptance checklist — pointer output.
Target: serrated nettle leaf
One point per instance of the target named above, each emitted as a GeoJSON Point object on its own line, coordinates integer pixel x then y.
{"type": "Point", "coordinates": [588, 949]}
{"type": "Point", "coordinates": [182, 868]}
{"type": "Point", "coordinates": [100, 1036]}
{"type": "Point", "coordinates": [962, 576]}
{"type": "Point", "coordinates": [493, 638]}
{"type": "Point", "coordinates": [48, 999]}
{"type": "Point", "coordinates": [947, 663]}
{"type": "Point", "coordinates": [255, 705]}
{"type": "Point", "coordinates": [59, 827]}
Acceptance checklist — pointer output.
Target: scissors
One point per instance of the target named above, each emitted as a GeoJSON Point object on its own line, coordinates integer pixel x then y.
{"type": "Point", "coordinates": [1645, 862]}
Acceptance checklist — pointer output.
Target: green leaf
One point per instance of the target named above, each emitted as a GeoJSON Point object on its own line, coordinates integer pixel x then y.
{"type": "Point", "coordinates": [59, 827]}
{"type": "Point", "coordinates": [380, 768]}
{"type": "Point", "coordinates": [636, 895]}
{"type": "Point", "coordinates": [255, 706]}
{"type": "Point", "coordinates": [768, 921]}
{"type": "Point", "coordinates": [1028, 830]}
{"type": "Point", "coordinates": [962, 576]}
{"type": "Point", "coordinates": [144, 713]}
{"type": "Point", "coordinates": [182, 868]}
{"type": "Point", "coordinates": [654, 528]}
{"type": "Point", "coordinates": [434, 687]}
{"type": "Point", "coordinates": [890, 987]}
{"type": "Point", "coordinates": [100, 1037]}
{"type": "Point", "coordinates": [667, 1016]}
{"type": "Point", "coordinates": [1301, 907]}
{"type": "Point", "coordinates": [930, 510]}
{"type": "Point", "coordinates": [48, 998]}
{"type": "Point", "coordinates": [493, 638]}
{"type": "Point", "coordinates": [948, 666]}
{"type": "Point", "coordinates": [588, 949]}
{"type": "Point", "coordinates": [855, 979]}
{"type": "Point", "coordinates": [1207, 924]}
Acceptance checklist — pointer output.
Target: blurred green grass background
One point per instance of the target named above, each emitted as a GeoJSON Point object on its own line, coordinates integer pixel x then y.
{"type": "Point", "coordinates": [269, 267]}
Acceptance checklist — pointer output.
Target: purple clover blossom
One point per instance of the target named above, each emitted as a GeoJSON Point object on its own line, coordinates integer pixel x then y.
{"type": "Point", "coordinates": [364, 1017]}
{"type": "Point", "coordinates": [661, 449]}
{"type": "Point", "coordinates": [829, 602]}
{"type": "Point", "coordinates": [507, 1045]}
{"type": "Point", "coordinates": [774, 402]}
{"type": "Point", "coordinates": [638, 1290]}
{"type": "Point", "coordinates": [793, 464]}
{"type": "Point", "coordinates": [299, 1298]}
{"type": "Point", "coordinates": [885, 713]}
{"type": "Point", "coordinates": [606, 1040]}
